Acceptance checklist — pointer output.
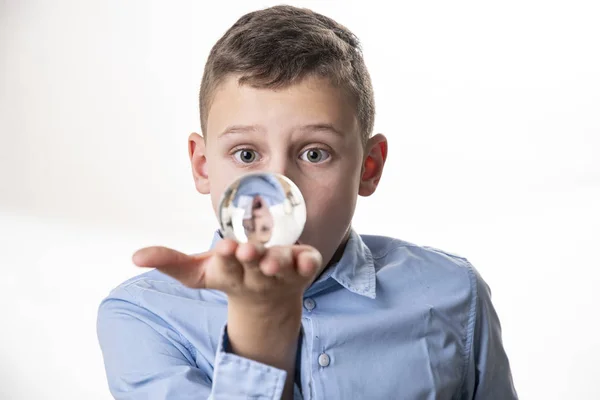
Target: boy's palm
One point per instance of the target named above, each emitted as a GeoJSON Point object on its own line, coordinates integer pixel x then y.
{"type": "Point", "coordinates": [239, 270]}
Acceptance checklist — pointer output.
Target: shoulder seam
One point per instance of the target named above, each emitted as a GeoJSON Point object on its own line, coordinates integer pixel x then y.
{"type": "Point", "coordinates": [399, 244]}
{"type": "Point", "coordinates": [470, 331]}
{"type": "Point", "coordinates": [393, 245]}
{"type": "Point", "coordinates": [125, 285]}
{"type": "Point", "coordinates": [449, 254]}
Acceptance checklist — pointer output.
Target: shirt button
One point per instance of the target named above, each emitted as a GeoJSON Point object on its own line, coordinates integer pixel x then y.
{"type": "Point", "coordinates": [324, 360]}
{"type": "Point", "coordinates": [309, 304]}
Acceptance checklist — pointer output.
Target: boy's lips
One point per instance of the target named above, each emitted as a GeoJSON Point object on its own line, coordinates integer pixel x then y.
{"type": "Point", "coordinates": [257, 203]}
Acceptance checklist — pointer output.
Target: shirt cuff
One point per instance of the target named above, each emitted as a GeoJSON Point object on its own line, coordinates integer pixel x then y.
{"type": "Point", "coordinates": [237, 377]}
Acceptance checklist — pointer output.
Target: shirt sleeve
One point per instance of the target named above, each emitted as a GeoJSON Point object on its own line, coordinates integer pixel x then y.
{"type": "Point", "coordinates": [488, 376]}
{"type": "Point", "coordinates": [145, 358]}
{"type": "Point", "coordinates": [241, 378]}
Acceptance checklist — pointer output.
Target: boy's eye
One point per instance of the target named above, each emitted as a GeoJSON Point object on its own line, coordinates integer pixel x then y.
{"type": "Point", "coordinates": [245, 156]}
{"type": "Point", "coordinates": [315, 155]}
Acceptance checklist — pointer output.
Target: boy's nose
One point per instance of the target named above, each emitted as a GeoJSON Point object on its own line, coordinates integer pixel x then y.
{"type": "Point", "coordinates": [281, 165]}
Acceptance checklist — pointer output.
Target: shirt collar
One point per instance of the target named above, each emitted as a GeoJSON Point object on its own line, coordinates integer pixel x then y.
{"type": "Point", "coordinates": [355, 270]}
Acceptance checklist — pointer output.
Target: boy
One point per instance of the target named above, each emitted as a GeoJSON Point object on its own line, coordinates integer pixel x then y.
{"type": "Point", "coordinates": [255, 196]}
{"type": "Point", "coordinates": [335, 316]}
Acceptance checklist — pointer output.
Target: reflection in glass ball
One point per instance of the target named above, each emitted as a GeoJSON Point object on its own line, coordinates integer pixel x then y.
{"type": "Point", "coordinates": [262, 207]}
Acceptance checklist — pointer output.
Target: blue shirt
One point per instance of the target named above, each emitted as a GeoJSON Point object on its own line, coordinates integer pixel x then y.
{"type": "Point", "coordinates": [267, 186]}
{"type": "Point", "coordinates": [390, 320]}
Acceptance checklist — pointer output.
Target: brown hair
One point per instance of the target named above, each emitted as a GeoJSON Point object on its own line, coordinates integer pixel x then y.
{"type": "Point", "coordinates": [279, 46]}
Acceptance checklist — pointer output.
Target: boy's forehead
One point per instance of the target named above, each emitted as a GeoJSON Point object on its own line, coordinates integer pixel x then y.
{"type": "Point", "coordinates": [312, 104]}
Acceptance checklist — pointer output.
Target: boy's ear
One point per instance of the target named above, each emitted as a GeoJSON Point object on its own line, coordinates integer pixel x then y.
{"type": "Point", "coordinates": [197, 153]}
{"type": "Point", "coordinates": [372, 169]}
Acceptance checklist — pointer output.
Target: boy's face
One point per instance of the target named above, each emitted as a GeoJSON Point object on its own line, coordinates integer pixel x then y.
{"type": "Point", "coordinates": [308, 132]}
{"type": "Point", "coordinates": [259, 226]}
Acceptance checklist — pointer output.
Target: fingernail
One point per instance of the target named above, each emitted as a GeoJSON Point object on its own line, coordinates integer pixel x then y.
{"type": "Point", "coordinates": [317, 257]}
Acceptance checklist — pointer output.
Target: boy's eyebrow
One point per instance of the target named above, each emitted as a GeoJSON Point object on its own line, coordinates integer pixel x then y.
{"type": "Point", "coordinates": [322, 127]}
{"type": "Point", "coordinates": [233, 129]}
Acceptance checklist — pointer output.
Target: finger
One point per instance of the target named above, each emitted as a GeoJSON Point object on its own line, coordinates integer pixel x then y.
{"type": "Point", "coordinates": [156, 256]}
{"type": "Point", "coordinates": [249, 256]}
{"type": "Point", "coordinates": [308, 260]}
{"type": "Point", "coordinates": [226, 248]}
{"type": "Point", "coordinates": [250, 253]}
{"type": "Point", "coordinates": [224, 272]}
{"type": "Point", "coordinates": [189, 270]}
{"type": "Point", "coordinates": [278, 261]}
{"type": "Point", "coordinates": [225, 251]}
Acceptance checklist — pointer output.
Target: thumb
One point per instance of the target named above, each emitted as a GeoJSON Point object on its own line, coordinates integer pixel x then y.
{"type": "Point", "coordinates": [187, 269]}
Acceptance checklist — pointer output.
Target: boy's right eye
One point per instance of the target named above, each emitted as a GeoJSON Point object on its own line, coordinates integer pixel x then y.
{"type": "Point", "coordinates": [245, 156]}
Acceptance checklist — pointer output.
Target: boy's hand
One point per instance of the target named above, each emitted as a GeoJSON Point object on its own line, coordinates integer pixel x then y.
{"type": "Point", "coordinates": [264, 289]}
{"type": "Point", "coordinates": [248, 271]}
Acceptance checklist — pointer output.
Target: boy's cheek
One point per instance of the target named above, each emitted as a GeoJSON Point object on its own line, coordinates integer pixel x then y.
{"type": "Point", "coordinates": [329, 210]}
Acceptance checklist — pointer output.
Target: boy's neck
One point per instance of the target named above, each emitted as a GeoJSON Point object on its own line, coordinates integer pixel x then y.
{"type": "Point", "coordinates": [337, 256]}
{"type": "Point", "coordinates": [340, 250]}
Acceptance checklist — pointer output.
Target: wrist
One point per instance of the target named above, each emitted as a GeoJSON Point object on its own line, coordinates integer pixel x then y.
{"type": "Point", "coordinates": [265, 334]}
{"type": "Point", "coordinates": [279, 312]}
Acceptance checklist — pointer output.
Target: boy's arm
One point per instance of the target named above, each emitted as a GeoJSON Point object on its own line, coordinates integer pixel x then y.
{"type": "Point", "coordinates": [489, 376]}
{"type": "Point", "coordinates": [145, 359]}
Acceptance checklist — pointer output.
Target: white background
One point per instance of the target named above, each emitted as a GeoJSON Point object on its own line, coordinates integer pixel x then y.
{"type": "Point", "coordinates": [492, 110]}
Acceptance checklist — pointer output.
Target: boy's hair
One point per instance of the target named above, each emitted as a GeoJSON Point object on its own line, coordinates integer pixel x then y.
{"type": "Point", "coordinates": [279, 46]}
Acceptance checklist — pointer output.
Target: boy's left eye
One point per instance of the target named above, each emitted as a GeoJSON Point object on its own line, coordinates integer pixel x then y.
{"type": "Point", "coordinates": [245, 156]}
{"type": "Point", "coordinates": [315, 155]}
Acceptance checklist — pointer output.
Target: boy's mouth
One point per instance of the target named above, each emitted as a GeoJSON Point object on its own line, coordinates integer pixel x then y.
{"type": "Point", "coordinates": [257, 203]}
